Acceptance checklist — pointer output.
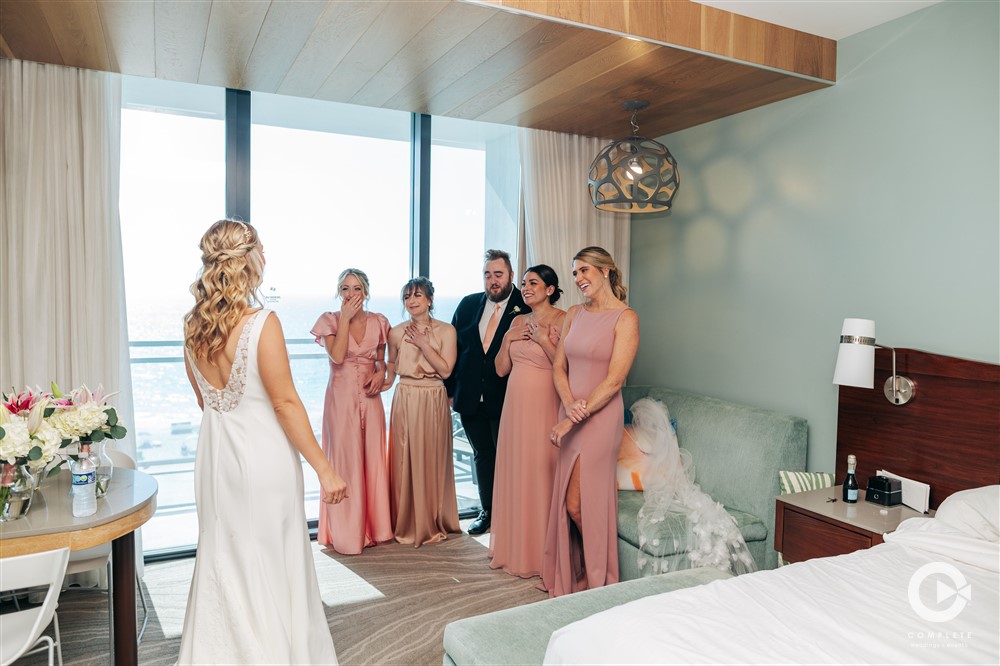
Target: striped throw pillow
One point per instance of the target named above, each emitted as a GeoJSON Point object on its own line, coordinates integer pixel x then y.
{"type": "Point", "coordinates": [797, 482]}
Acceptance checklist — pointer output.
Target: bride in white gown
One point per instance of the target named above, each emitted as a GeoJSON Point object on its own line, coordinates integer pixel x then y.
{"type": "Point", "coordinates": [254, 597]}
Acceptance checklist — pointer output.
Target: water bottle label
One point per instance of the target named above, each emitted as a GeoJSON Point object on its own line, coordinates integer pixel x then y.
{"type": "Point", "coordinates": [84, 478]}
{"type": "Point", "coordinates": [852, 494]}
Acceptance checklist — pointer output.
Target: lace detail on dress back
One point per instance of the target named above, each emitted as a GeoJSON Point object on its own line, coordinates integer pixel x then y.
{"type": "Point", "coordinates": [228, 398]}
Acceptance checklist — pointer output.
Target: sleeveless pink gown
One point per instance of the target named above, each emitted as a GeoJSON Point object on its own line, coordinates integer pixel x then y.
{"type": "Point", "coordinates": [526, 463]}
{"type": "Point", "coordinates": [575, 562]}
{"type": "Point", "coordinates": [355, 443]}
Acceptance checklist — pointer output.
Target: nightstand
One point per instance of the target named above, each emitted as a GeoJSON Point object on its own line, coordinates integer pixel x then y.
{"type": "Point", "coordinates": [806, 525]}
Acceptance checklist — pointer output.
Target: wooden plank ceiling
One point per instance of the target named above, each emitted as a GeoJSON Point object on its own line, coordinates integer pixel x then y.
{"type": "Point", "coordinates": [556, 65]}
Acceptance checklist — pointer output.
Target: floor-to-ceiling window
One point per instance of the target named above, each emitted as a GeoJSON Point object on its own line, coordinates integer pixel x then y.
{"type": "Point", "coordinates": [330, 189]}
{"type": "Point", "coordinates": [475, 178]}
{"type": "Point", "coordinates": [172, 188]}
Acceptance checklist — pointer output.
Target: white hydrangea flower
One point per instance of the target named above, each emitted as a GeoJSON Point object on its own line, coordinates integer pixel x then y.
{"type": "Point", "coordinates": [79, 421]}
{"type": "Point", "coordinates": [48, 439]}
{"type": "Point", "coordinates": [16, 441]}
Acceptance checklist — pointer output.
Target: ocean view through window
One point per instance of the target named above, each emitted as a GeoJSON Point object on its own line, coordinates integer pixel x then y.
{"type": "Point", "coordinates": [323, 200]}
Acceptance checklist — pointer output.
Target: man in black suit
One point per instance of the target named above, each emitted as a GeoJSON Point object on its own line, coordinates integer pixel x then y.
{"type": "Point", "coordinates": [481, 320]}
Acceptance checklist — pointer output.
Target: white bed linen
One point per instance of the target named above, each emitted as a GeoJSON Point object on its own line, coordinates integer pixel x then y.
{"type": "Point", "coordinates": [848, 609]}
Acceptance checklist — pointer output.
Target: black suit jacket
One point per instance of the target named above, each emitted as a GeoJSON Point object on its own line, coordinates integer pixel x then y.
{"type": "Point", "coordinates": [475, 372]}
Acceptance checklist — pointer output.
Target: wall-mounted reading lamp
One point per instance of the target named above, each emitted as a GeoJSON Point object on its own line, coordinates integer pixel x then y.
{"type": "Point", "coordinates": [856, 362]}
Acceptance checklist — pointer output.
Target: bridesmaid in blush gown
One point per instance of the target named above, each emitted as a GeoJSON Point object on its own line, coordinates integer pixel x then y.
{"type": "Point", "coordinates": [422, 352]}
{"type": "Point", "coordinates": [526, 461]}
{"type": "Point", "coordinates": [354, 419]}
{"type": "Point", "coordinates": [599, 343]}
{"type": "Point", "coordinates": [254, 596]}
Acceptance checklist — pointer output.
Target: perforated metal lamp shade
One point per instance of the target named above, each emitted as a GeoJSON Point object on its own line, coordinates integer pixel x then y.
{"type": "Point", "coordinates": [633, 175]}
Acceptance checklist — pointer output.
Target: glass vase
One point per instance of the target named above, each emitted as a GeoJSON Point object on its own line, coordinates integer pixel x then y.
{"type": "Point", "coordinates": [17, 487]}
{"type": "Point", "coordinates": [103, 464]}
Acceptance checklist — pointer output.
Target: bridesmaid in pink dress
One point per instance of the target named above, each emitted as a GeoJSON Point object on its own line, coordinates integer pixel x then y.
{"type": "Point", "coordinates": [599, 342]}
{"type": "Point", "coordinates": [354, 419]}
{"type": "Point", "coordinates": [526, 461]}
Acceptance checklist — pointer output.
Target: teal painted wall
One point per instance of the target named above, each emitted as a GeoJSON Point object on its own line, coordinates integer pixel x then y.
{"type": "Point", "coordinates": [875, 198]}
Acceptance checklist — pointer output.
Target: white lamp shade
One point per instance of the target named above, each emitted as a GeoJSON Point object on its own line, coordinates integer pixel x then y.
{"type": "Point", "coordinates": [855, 360]}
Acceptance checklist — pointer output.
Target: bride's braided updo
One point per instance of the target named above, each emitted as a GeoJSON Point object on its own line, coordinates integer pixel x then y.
{"type": "Point", "coordinates": [232, 268]}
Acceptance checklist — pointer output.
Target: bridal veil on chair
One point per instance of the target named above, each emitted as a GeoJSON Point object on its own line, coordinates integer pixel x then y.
{"type": "Point", "coordinates": [21, 631]}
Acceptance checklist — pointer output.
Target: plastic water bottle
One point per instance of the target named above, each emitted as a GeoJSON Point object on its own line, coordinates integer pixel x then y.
{"type": "Point", "coordinates": [84, 491]}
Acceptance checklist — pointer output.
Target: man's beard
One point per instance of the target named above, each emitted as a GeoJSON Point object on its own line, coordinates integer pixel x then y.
{"type": "Point", "coordinates": [502, 295]}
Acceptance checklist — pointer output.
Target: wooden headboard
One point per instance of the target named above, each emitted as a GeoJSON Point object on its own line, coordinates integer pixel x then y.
{"type": "Point", "coordinates": [947, 435]}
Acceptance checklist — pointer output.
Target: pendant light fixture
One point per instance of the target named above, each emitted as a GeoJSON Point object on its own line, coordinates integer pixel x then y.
{"type": "Point", "coordinates": [633, 175]}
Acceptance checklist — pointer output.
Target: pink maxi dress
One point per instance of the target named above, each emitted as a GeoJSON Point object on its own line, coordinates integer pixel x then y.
{"type": "Point", "coordinates": [575, 562]}
{"type": "Point", "coordinates": [354, 441]}
{"type": "Point", "coordinates": [526, 463]}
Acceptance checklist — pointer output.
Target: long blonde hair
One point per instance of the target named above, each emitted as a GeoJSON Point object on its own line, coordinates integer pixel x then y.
{"type": "Point", "coordinates": [232, 269]}
{"type": "Point", "coordinates": [600, 258]}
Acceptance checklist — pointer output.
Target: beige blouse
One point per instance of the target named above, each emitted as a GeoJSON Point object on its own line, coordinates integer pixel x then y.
{"type": "Point", "coordinates": [411, 363]}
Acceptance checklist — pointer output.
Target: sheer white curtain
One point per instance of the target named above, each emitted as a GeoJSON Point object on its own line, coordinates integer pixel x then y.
{"type": "Point", "coordinates": [559, 217]}
{"type": "Point", "coordinates": [62, 292]}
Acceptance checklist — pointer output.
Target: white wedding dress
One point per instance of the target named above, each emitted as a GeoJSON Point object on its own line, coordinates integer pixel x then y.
{"type": "Point", "coordinates": [254, 597]}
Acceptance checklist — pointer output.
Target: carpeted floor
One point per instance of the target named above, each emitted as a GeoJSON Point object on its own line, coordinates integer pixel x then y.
{"type": "Point", "coordinates": [386, 606]}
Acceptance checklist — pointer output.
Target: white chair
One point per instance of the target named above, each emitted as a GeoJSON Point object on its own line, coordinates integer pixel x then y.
{"type": "Point", "coordinates": [21, 631]}
{"type": "Point", "coordinates": [100, 556]}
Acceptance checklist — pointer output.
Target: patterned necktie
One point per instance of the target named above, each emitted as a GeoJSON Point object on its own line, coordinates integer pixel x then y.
{"type": "Point", "coordinates": [491, 327]}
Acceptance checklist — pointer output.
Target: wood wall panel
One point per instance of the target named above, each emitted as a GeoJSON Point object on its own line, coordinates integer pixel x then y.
{"type": "Point", "coordinates": [557, 61]}
{"type": "Point", "coordinates": [127, 27]}
{"type": "Point", "coordinates": [748, 38]}
{"type": "Point", "coordinates": [465, 59]}
{"type": "Point", "coordinates": [78, 32]}
{"type": "Point", "coordinates": [233, 26]}
{"type": "Point", "coordinates": [948, 435]}
{"type": "Point", "coordinates": [495, 34]}
{"type": "Point", "coordinates": [337, 30]}
{"type": "Point", "coordinates": [695, 26]}
{"type": "Point", "coordinates": [427, 47]}
{"type": "Point", "coordinates": [526, 49]}
{"type": "Point", "coordinates": [26, 32]}
{"type": "Point", "coordinates": [392, 30]}
{"type": "Point", "coordinates": [561, 90]}
{"type": "Point", "coordinates": [180, 29]}
{"type": "Point", "coordinates": [283, 34]}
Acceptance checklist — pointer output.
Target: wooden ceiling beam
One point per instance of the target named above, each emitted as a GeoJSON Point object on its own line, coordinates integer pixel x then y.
{"type": "Point", "coordinates": [692, 25]}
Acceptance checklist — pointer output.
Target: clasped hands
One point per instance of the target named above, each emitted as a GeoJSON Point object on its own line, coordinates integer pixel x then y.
{"type": "Point", "coordinates": [576, 412]}
{"type": "Point", "coordinates": [532, 330]}
{"type": "Point", "coordinates": [415, 336]}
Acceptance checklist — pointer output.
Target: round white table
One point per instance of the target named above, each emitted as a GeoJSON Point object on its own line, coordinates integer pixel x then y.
{"type": "Point", "coordinates": [129, 502]}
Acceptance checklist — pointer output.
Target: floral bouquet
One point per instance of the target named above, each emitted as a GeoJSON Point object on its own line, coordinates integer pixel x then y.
{"type": "Point", "coordinates": [26, 434]}
{"type": "Point", "coordinates": [35, 426]}
{"type": "Point", "coordinates": [28, 442]}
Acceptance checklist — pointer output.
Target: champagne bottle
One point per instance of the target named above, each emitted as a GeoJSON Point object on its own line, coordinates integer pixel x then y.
{"type": "Point", "coordinates": [851, 483]}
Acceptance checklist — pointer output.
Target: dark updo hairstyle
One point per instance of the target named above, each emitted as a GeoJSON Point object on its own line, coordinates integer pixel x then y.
{"type": "Point", "coordinates": [421, 284]}
{"type": "Point", "coordinates": [598, 257]}
{"type": "Point", "coordinates": [550, 279]}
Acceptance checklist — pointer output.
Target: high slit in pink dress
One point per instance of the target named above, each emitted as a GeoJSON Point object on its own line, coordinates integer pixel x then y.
{"type": "Point", "coordinates": [354, 441]}
{"type": "Point", "coordinates": [575, 562]}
